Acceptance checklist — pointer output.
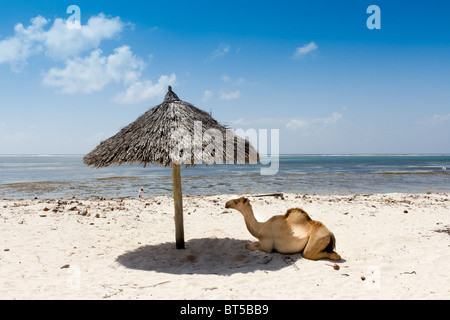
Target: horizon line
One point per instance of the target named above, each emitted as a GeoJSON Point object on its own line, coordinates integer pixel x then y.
{"type": "Point", "coordinates": [281, 154]}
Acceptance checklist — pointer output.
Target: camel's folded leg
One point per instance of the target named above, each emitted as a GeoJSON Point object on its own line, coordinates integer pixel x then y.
{"type": "Point", "coordinates": [315, 247]}
{"type": "Point", "coordinates": [258, 246]}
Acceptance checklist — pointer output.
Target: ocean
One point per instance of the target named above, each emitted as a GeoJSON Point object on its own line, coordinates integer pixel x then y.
{"type": "Point", "coordinates": [66, 176]}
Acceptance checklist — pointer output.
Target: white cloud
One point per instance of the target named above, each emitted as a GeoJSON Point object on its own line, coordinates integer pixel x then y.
{"type": "Point", "coordinates": [95, 71]}
{"type": "Point", "coordinates": [300, 52]}
{"type": "Point", "coordinates": [83, 74]}
{"type": "Point", "coordinates": [221, 51]}
{"type": "Point", "coordinates": [25, 42]}
{"type": "Point", "coordinates": [62, 42]}
{"type": "Point", "coordinates": [58, 42]}
{"type": "Point", "coordinates": [441, 118]}
{"type": "Point", "coordinates": [143, 90]}
{"type": "Point", "coordinates": [207, 95]}
{"type": "Point", "coordinates": [435, 121]}
{"type": "Point", "coordinates": [241, 121]}
{"type": "Point", "coordinates": [310, 126]}
{"type": "Point", "coordinates": [239, 81]}
{"type": "Point", "coordinates": [230, 95]}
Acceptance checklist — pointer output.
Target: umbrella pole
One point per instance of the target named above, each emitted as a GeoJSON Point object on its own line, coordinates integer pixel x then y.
{"type": "Point", "coordinates": [178, 203]}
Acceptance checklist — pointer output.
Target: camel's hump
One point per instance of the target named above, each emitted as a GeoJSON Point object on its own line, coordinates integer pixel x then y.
{"type": "Point", "coordinates": [297, 213]}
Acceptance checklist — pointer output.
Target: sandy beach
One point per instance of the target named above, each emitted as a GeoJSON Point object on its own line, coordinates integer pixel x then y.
{"type": "Point", "coordinates": [394, 246]}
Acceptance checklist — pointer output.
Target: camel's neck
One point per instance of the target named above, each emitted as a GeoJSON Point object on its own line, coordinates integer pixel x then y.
{"type": "Point", "coordinates": [252, 224]}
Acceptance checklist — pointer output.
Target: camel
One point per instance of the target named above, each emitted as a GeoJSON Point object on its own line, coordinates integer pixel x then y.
{"type": "Point", "coordinates": [290, 233]}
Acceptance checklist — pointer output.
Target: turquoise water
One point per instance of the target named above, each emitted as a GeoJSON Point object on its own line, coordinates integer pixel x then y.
{"type": "Point", "coordinates": [54, 176]}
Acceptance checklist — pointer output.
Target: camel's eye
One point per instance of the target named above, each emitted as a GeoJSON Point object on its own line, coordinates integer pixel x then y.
{"type": "Point", "coordinates": [236, 201]}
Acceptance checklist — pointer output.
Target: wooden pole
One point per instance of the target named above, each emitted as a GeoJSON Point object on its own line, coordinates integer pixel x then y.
{"type": "Point", "coordinates": [178, 204]}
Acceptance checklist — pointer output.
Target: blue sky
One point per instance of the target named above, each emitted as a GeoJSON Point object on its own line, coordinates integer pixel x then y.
{"type": "Point", "coordinates": [311, 69]}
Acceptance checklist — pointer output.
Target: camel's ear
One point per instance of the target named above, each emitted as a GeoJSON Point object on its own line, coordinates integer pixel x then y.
{"type": "Point", "coordinates": [245, 200]}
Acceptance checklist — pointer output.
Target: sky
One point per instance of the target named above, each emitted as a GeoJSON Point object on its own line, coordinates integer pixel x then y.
{"type": "Point", "coordinates": [313, 70]}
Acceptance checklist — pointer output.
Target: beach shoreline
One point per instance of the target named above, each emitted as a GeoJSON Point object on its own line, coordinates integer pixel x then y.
{"type": "Point", "coordinates": [394, 246]}
{"type": "Point", "coordinates": [67, 176]}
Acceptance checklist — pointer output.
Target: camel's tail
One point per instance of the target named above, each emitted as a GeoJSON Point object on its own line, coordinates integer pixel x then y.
{"type": "Point", "coordinates": [331, 245]}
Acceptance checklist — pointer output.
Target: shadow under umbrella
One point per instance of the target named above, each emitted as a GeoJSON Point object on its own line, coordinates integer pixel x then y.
{"type": "Point", "coordinates": [221, 256]}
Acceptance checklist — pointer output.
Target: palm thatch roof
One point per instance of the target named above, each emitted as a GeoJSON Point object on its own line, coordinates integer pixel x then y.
{"type": "Point", "coordinates": [172, 130]}
{"type": "Point", "coordinates": [172, 133]}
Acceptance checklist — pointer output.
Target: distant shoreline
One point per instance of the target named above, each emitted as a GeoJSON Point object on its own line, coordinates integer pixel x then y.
{"type": "Point", "coordinates": [65, 176]}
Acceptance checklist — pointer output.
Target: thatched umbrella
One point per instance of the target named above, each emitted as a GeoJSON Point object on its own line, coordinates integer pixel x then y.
{"type": "Point", "coordinates": [172, 133]}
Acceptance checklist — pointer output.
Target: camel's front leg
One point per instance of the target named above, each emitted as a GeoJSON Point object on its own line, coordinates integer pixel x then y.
{"type": "Point", "coordinates": [258, 246]}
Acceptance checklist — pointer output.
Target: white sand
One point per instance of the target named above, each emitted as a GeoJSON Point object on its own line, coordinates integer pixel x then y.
{"type": "Point", "coordinates": [129, 252]}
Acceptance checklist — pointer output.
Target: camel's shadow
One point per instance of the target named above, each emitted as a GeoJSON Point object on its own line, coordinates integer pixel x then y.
{"type": "Point", "coordinates": [223, 256]}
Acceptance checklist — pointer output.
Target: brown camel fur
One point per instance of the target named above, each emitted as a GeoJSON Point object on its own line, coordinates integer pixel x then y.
{"type": "Point", "coordinates": [290, 233]}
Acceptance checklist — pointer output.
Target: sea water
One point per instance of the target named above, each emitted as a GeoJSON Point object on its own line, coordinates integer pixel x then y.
{"type": "Point", "coordinates": [66, 176]}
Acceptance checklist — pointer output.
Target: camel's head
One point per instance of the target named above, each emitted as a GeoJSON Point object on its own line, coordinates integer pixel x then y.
{"type": "Point", "coordinates": [237, 203]}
